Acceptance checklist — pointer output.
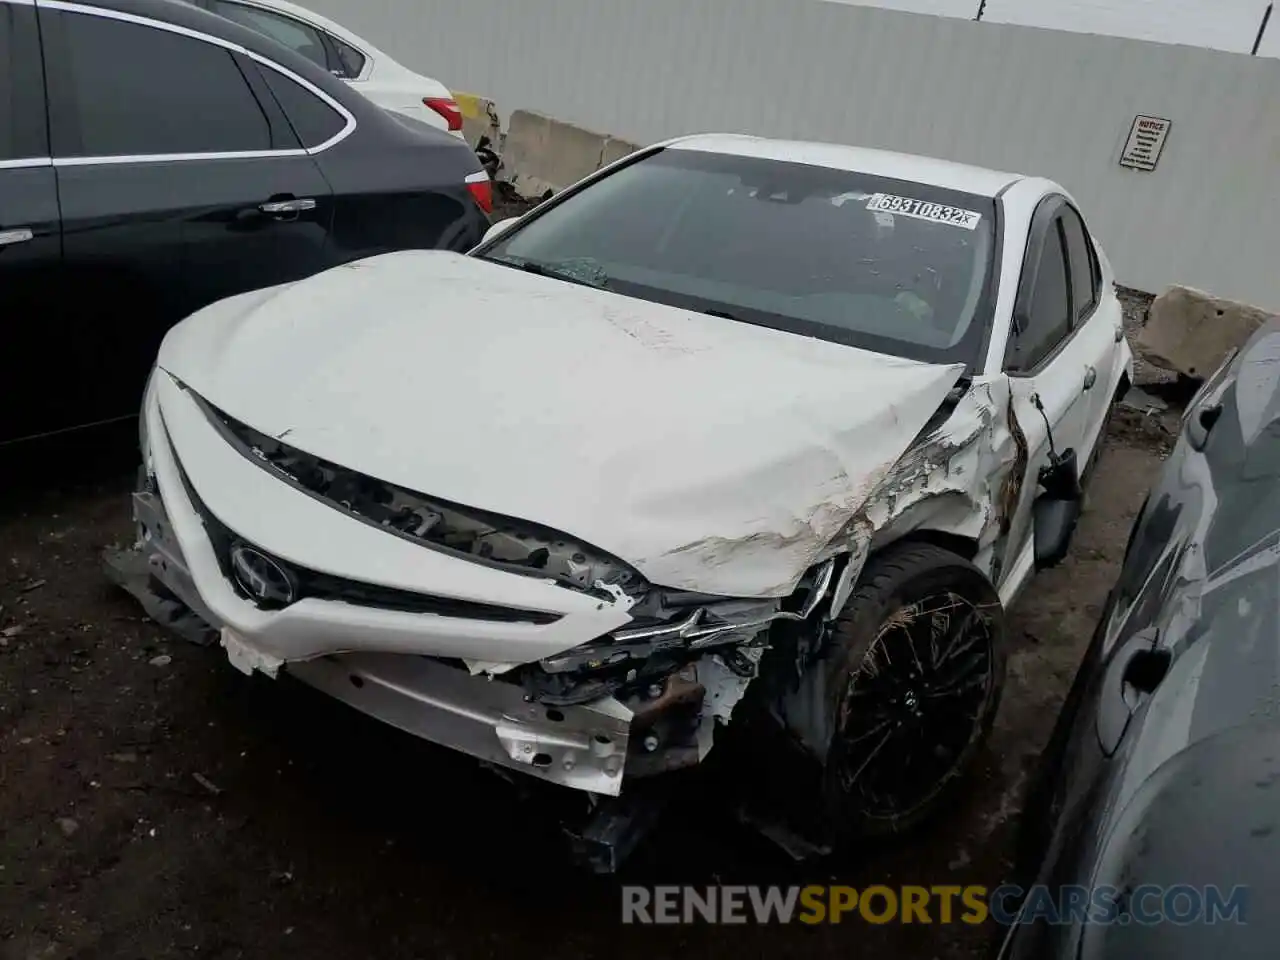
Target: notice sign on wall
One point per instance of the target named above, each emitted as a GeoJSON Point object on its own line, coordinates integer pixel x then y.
{"type": "Point", "coordinates": [1146, 140]}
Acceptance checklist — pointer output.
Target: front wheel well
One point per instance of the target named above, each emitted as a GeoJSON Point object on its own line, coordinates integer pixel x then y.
{"type": "Point", "coordinates": [891, 654]}
{"type": "Point", "coordinates": [961, 546]}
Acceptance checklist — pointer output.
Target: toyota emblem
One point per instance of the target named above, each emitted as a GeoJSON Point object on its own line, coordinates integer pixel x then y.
{"type": "Point", "coordinates": [261, 578]}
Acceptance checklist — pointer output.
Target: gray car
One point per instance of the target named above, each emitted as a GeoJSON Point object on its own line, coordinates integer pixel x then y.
{"type": "Point", "coordinates": [1155, 801]}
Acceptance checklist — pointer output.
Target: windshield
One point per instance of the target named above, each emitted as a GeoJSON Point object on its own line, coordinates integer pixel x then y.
{"type": "Point", "coordinates": [887, 265]}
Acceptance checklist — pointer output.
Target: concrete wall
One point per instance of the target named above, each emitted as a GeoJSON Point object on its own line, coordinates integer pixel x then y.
{"type": "Point", "coordinates": [1011, 97]}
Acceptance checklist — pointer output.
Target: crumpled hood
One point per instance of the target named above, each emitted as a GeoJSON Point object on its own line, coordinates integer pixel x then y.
{"type": "Point", "coordinates": [711, 455]}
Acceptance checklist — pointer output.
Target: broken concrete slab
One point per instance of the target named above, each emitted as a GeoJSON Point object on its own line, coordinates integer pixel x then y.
{"type": "Point", "coordinates": [1191, 332]}
{"type": "Point", "coordinates": [479, 118]}
{"type": "Point", "coordinates": [614, 150]}
{"type": "Point", "coordinates": [541, 154]}
{"type": "Point", "coordinates": [1143, 402]}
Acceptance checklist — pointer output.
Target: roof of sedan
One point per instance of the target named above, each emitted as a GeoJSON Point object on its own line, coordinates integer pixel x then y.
{"type": "Point", "coordinates": [883, 163]}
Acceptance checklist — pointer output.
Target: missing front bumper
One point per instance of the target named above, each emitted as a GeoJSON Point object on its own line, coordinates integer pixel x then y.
{"type": "Point", "coordinates": [581, 747]}
{"type": "Point", "coordinates": [154, 573]}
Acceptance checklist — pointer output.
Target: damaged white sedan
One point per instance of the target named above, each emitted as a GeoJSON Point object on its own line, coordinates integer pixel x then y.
{"type": "Point", "coordinates": [734, 436]}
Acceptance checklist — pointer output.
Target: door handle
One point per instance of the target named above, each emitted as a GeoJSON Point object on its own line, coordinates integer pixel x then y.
{"type": "Point", "coordinates": [1200, 424]}
{"type": "Point", "coordinates": [295, 205]}
{"type": "Point", "coordinates": [1131, 677]}
{"type": "Point", "coordinates": [16, 235]}
{"type": "Point", "coordinates": [1090, 377]}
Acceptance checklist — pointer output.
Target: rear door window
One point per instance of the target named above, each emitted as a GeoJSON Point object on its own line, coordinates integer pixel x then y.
{"type": "Point", "coordinates": [313, 120]}
{"type": "Point", "coordinates": [23, 135]}
{"type": "Point", "coordinates": [350, 60]}
{"type": "Point", "coordinates": [1083, 273]}
{"type": "Point", "coordinates": [129, 90]}
{"type": "Point", "coordinates": [297, 36]}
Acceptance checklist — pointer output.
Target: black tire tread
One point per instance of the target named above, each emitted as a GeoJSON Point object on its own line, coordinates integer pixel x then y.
{"type": "Point", "coordinates": [883, 577]}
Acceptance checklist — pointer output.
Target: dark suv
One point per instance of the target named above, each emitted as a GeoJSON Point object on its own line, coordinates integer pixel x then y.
{"type": "Point", "coordinates": [155, 158]}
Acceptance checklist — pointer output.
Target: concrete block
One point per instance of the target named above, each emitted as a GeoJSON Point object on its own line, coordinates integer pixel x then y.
{"type": "Point", "coordinates": [525, 142]}
{"type": "Point", "coordinates": [615, 150]}
{"type": "Point", "coordinates": [540, 153]}
{"type": "Point", "coordinates": [479, 118]}
{"type": "Point", "coordinates": [1191, 331]}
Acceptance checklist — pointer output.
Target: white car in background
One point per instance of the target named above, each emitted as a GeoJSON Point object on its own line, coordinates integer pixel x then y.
{"type": "Point", "coordinates": [348, 57]}
{"type": "Point", "coordinates": [734, 437]}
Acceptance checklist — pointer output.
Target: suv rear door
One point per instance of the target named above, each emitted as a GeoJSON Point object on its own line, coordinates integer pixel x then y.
{"type": "Point", "coordinates": [181, 182]}
{"type": "Point", "coordinates": [30, 235]}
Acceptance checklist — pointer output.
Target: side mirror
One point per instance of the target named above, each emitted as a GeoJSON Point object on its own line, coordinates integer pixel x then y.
{"type": "Point", "coordinates": [502, 226]}
{"type": "Point", "coordinates": [1056, 512]}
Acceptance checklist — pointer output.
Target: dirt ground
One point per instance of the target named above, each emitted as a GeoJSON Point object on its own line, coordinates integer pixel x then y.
{"type": "Point", "coordinates": [156, 803]}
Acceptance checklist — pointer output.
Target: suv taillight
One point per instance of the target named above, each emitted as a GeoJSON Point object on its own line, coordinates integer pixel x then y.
{"type": "Point", "coordinates": [447, 107]}
{"type": "Point", "coordinates": [481, 190]}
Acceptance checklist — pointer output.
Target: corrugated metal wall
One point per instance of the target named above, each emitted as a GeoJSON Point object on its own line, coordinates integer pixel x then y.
{"type": "Point", "coordinates": [965, 9]}
{"type": "Point", "coordinates": [1220, 24]}
{"type": "Point", "coordinates": [1011, 97]}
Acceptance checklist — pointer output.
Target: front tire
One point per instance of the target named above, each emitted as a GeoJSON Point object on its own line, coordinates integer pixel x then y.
{"type": "Point", "coordinates": [914, 675]}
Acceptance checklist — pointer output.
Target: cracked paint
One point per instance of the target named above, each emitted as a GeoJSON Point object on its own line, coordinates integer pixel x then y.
{"type": "Point", "coordinates": [956, 479]}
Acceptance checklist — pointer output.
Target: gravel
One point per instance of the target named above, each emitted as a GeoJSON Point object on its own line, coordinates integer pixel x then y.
{"type": "Point", "coordinates": [507, 203]}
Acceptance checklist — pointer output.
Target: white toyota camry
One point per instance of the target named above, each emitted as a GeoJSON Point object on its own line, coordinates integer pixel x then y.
{"type": "Point", "coordinates": [735, 440]}
{"type": "Point", "coordinates": [348, 57]}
